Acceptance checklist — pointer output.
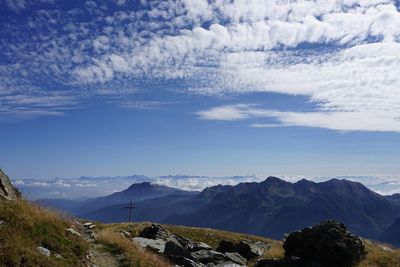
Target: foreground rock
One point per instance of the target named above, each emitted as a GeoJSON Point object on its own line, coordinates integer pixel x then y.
{"type": "Point", "coordinates": [328, 244]}
{"type": "Point", "coordinates": [7, 190]}
{"type": "Point", "coordinates": [245, 249]}
{"type": "Point", "coordinates": [188, 253]}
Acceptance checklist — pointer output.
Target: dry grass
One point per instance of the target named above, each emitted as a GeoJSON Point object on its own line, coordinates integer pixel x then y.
{"type": "Point", "coordinates": [26, 227]}
{"type": "Point", "coordinates": [379, 255]}
{"type": "Point", "coordinates": [128, 253]}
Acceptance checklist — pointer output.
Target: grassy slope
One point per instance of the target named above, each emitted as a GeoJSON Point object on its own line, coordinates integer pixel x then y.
{"type": "Point", "coordinates": [26, 227]}
{"type": "Point", "coordinates": [378, 254]}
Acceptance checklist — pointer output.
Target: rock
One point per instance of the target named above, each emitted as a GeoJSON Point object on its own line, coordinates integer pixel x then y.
{"type": "Point", "coordinates": [225, 264]}
{"type": "Point", "coordinates": [226, 246]}
{"type": "Point", "coordinates": [72, 231]}
{"type": "Point", "coordinates": [89, 225]}
{"type": "Point", "coordinates": [44, 251]}
{"type": "Point", "coordinates": [7, 190]}
{"type": "Point", "coordinates": [245, 249]}
{"type": "Point", "coordinates": [284, 262]}
{"type": "Point", "coordinates": [248, 250]}
{"type": "Point", "coordinates": [200, 246]}
{"type": "Point", "coordinates": [182, 261]}
{"type": "Point", "coordinates": [156, 231]}
{"type": "Point", "coordinates": [125, 234]}
{"type": "Point", "coordinates": [173, 247]}
{"type": "Point", "coordinates": [235, 258]}
{"type": "Point", "coordinates": [156, 245]}
{"type": "Point", "coordinates": [208, 256]}
{"type": "Point", "coordinates": [328, 244]}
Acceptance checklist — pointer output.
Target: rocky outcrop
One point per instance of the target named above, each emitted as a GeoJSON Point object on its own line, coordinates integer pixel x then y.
{"type": "Point", "coordinates": [188, 253]}
{"type": "Point", "coordinates": [327, 244]}
{"type": "Point", "coordinates": [7, 190]}
{"type": "Point", "coordinates": [246, 249]}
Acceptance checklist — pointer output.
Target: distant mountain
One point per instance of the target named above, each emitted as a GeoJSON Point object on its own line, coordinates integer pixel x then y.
{"type": "Point", "coordinates": [136, 192]}
{"type": "Point", "coordinates": [274, 207]}
{"type": "Point", "coordinates": [395, 199]}
{"type": "Point", "coordinates": [269, 208]}
{"type": "Point", "coordinates": [391, 234]}
{"type": "Point", "coordinates": [157, 209]}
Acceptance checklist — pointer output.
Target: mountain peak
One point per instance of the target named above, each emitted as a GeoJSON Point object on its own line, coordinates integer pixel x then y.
{"type": "Point", "coordinates": [142, 185]}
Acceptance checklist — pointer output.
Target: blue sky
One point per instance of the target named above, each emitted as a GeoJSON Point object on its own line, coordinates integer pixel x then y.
{"type": "Point", "coordinates": [217, 88]}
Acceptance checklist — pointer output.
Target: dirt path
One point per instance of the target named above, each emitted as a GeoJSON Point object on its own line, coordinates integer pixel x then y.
{"type": "Point", "coordinates": [100, 257]}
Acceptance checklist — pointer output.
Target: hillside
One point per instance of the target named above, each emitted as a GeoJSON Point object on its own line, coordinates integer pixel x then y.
{"type": "Point", "coordinates": [379, 255]}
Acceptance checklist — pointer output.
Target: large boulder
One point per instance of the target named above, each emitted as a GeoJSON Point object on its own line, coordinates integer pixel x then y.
{"type": "Point", "coordinates": [7, 190]}
{"type": "Point", "coordinates": [328, 244]}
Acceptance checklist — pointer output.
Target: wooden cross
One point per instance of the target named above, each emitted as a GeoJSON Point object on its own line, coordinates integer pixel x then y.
{"type": "Point", "coordinates": [130, 207]}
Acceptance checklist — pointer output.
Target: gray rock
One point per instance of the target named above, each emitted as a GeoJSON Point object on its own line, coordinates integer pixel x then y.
{"type": "Point", "coordinates": [226, 246]}
{"type": "Point", "coordinates": [200, 246]}
{"type": "Point", "coordinates": [125, 234]}
{"type": "Point", "coordinates": [284, 262]}
{"type": "Point", "coordinates": [156, 231]}
{"type": "Point", "coordinates": [182, 261]}
{"type": "Point", "coordinates": [72, 231]}
{"type": "Point", "coordinates": [173, 247]}
{"type": "Point", "coordinates": [236, 258]}
{"type": "Point", "coordinates": [328, 243]}
{"type": "Point", "coordinates": [208, 256]}
{"type": "Point", "coordinates": [156, 245]}
{"type": "Point", "coordinates": [225, 264]}
{"type": "Point", "coordinates": [44, 251]}
{"type": "Point", "coordinates": [7, 190]}
{"type": "Point", "coordinates": [249, 250]}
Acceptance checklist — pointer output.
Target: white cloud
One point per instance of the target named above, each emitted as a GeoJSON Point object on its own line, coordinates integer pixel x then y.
{"type": "Point", "coordinates": [334, 120]}
{"type": "Point", "coordinates": [217, 47]}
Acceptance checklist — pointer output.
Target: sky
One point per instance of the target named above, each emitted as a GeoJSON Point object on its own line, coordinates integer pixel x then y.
{"type": "Point", "coordinates": [215, 88]}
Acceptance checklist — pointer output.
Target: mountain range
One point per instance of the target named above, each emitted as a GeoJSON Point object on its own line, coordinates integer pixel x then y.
{"type": "Point", "coordinates": [269, 208]}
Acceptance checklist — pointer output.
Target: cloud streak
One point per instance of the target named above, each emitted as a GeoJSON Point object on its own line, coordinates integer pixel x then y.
{"type": "Point", "coordinates": [342, 55]}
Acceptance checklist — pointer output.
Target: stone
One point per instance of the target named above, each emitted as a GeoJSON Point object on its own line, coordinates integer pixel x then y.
{"type": "Point", "coordinates": [7, 190]}
{"type": "Point", "coordinates": [200, 246]}
{"type": "Point", "coordinates": [235, 258]}
{"type": "Point", "coordinates": [72, 231]}
{"type": "Point", "coordinates": [156, 245]}
{"type": "Point", "coordinates": [208, 256]}
{"type": "Point", "coordinates": [184, 262]}
{"type": "Point", "coordinates": [225, 264]}
{"type": "Point", "coordinates": [249, 250]}
{"type": "Point", "coordinates": [245, 249]}
{"type": "Point", "coordinates": [328, 244]}
{"type": "Point", "coordinates": [284, 262]}
{"type": "Point", "coordinates": [226, 246]}
{"type": "Point", "coordinates": [44, 251]}
{"type": "Point", "coordinates": [125, 234]}
{"type": "Point", "coordinates": [173, 247]}
{"type": "Point", "coordinates": [156, 231]}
